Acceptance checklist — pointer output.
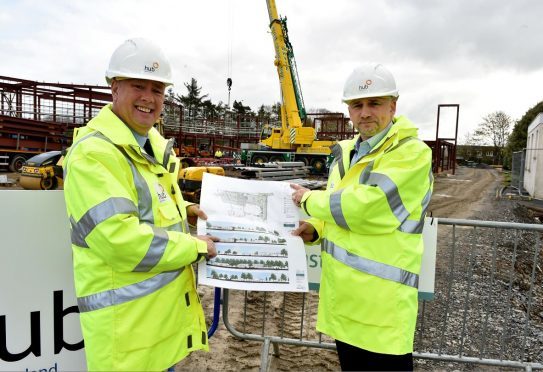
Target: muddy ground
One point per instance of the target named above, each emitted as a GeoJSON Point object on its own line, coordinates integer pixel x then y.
{"type": "Point", "coordinates": [469, 194]}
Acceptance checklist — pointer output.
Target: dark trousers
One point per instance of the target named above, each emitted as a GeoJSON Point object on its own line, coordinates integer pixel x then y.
{"type": "Point", "coordinates": [352, 358]}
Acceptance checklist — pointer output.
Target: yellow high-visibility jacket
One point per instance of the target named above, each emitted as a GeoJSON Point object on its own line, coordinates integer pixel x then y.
{"type": "Point", "coordinates": [132, 251]}
{"type": "Point", "coordinates": [369, 221]}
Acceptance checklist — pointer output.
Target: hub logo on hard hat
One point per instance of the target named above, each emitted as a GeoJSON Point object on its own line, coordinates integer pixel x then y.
{"type": "Point", "coordinates": [153, 68]}
{"type": "Point", "coordinates": [366, 85]}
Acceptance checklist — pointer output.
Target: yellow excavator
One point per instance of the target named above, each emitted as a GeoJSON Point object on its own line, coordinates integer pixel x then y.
{"type": "Point", "coordinates": [292, 141]}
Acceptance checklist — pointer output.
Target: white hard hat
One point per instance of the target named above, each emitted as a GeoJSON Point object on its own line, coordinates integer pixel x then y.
{"type": "Point", "coordinates": [369, 80]}
{"type": "Point", "coordinates": [139, 58]}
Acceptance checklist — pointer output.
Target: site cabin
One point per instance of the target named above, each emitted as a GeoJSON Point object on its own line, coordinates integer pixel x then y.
{"type": "Point", "coordinates": [533, 164]}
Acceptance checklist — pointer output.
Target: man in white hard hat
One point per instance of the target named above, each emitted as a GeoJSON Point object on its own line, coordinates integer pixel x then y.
{"type": "Point", "coordinates": [369, 221]}
{"type": "Point", "coordinates": [132, 250]}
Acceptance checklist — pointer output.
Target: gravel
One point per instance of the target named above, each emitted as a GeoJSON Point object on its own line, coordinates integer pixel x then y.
{"type": "Point", "coordinates": [486, 284]}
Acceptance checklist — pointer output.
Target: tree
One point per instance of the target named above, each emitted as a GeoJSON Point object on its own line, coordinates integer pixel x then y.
{"type": "Point", "coordinates": [240, 108]}
{"type": "Point", "coordinates": [192, 101]}
{"type": "Point", "coordinates": [172, 109]}
{"type": "Point", "coordinates": [276, 109]}
{"type": "Point", "coordinates": [518, 138]}
{"type": "Point", "coordinates": [322, 111]}
{"type": "Point", "coordinates": [471, 140]}
{"type": "Point", "coordinates": [211, 110]}
{"type": "Point", "coordinates": [264, 113]}
{"type": "Point", "coordinates": [494, 130]}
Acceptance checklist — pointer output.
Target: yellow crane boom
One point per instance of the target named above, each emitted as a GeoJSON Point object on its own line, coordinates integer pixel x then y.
{"type": "Point", "coordinates": [292, 133]}
{"type": "Point", "coordinates": [292, 141]}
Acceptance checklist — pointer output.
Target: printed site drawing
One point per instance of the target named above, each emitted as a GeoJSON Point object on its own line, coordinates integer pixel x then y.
{"type": "Point", "coordinates": [253, 220]}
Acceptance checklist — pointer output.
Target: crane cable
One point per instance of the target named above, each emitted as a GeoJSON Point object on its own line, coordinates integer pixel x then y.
{"type": "Point", "coordinates": [229, 51]}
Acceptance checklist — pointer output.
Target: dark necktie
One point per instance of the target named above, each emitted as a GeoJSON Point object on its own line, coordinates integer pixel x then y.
{"type": "Point", "coordinates": [148, 149]}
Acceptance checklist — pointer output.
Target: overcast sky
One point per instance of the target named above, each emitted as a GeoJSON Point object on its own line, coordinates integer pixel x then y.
{"type": "Point", "coordinates": [484, 55]}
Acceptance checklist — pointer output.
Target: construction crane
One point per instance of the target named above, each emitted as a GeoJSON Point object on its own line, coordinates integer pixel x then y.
{"type": "Point", "coordinates": [291, 141]}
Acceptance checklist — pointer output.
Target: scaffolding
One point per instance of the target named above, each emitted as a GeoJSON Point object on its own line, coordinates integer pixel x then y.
{"type": "Point", "coordinates": [36, 117]}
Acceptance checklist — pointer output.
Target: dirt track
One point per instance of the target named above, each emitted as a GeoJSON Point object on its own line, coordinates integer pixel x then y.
{"type": "Point", "coordinates": [462, 195]}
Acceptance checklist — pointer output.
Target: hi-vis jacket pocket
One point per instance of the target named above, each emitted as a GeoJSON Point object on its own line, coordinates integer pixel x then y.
{"type": "Point", "coordinates": [168, 214]}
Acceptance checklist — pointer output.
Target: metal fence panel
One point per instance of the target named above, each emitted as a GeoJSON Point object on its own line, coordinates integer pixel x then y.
{"type": "Point", "coordinates": [484, 312]}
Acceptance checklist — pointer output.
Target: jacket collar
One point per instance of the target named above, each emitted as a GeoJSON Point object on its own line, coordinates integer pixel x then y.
{"type": "Point", "coordinates": [111, 126]}
{"type": "Point", "coordinates": [400, 129]}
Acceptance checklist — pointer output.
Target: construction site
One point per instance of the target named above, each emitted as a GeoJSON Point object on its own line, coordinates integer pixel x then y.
{"type": "Point", "coordinates": [40, 117]}
{"type": "Point", "coordinates": [484, 306]}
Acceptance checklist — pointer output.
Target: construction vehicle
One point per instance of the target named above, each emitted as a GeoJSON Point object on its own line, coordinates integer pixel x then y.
{"type": "Point", "coordinates": [190, 181]}
{"type": "Point", "coordinates": [291, 141]}
{"type": "Point", "coordinates": [42, 172]}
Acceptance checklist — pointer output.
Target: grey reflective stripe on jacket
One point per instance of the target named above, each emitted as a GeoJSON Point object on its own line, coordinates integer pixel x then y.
{"type": "Point", "coordinates": [401, 142]}
{"type": "Point", "coordinates": [155, 252]}
{"type": "Point", "coordinates": [100, 212]}
{"type": "Point", "coordinates": [335, 209]}
{"type": "Point", "coordinates": [392, 194]}
{"type": "Point", "coordinates": [130, 292]}
{"type": "Point", "coordinates": [108, 208]}
{"type": "Point", "coordinates": [74, 145]}
{"type": "Point", "coordinates": [363, 180]}
{"type": "Point", "coordinates": [338, 159]}
{"type": "Point", "coordinates": [416, 227]}
{"type": "Point", "coordinates": [145, 201]}
{"type": "Point", "coordinates": [371, 267]}
{"type": "Point", "coordinates": [167, 154]}
{"type": "Point", "coordinates": [111, 207]}
{"type": "Point", "coordinates": [177, 227]}
{"type": "Point", "coordinates": [145, 204]}
{"type": "Point", "coordinates": [388, 187]}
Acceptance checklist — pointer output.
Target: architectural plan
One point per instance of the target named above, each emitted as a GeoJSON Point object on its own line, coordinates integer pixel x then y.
{"type": "Point", "coordinates": [253, 220]}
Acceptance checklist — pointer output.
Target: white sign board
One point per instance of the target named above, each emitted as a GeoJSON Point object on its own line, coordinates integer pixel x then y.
{"type": "Point", "coordinates": [428, 266]}
{"type": "Point", "coordinates": [39, 321]}
{"type": "Point", "coordinates": [427, 271]}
